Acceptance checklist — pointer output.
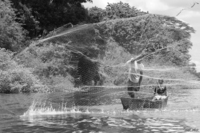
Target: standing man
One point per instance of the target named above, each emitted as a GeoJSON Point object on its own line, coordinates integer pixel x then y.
{"type": "Point", "coordinates": [134, 77]}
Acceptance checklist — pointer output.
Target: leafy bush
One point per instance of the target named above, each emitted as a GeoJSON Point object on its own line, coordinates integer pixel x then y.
{"type": "Point", "coordinates": [59, 83]}
{"type": "Point", "coordinates": [16, 78]}
{"type": "Point", "coordinates": [50, 62]}
{"type": "Point", "coordinates": [112, 64]}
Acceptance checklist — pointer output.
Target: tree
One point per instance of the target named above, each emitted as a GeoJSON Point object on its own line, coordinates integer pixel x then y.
{"type": "Point", "coordinates": [113, 11]}
{"type": "Point", "coordinates": [41, 16]}
{"type": "Point", "coordinates": [152, 32]}
{"type": "Point", "coordinates": [121, 10]}
{"type": "Point", "coordinates": [12, 34]}
{"type": "Point", "coordinates": [172, 34]}
{"type": "Point", "coordinates": [96, 14]}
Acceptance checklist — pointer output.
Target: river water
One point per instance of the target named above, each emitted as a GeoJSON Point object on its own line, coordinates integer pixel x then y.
{"type": "Point", "coordinates": [60, 113]}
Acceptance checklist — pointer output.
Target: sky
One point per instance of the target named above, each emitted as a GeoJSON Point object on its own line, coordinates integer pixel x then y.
{"type": "Point", "coordinates": [170, 8]}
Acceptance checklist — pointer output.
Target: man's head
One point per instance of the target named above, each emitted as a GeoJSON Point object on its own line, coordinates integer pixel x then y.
{"type": "Point", "coordinates": [160, 81]}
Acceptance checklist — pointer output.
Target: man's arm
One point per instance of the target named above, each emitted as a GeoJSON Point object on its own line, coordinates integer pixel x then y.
{"type": "Point", "coordinates": [155, 90]}
{"type": "Point", "coordinates": [138, 58]}
{"type": "Point", "coordinates": [140, 80]}
{"type": "Point", "coordinates": [165, 93]}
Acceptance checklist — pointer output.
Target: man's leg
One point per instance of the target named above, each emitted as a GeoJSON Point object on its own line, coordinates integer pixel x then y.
{"type": "Point", "coordinates": [131, 92]}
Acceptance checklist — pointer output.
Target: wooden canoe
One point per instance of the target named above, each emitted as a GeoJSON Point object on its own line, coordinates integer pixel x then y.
{"type": "Point", "coordinates": [136, 103]}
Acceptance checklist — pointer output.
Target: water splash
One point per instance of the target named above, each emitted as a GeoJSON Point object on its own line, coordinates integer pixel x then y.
{"type": "Point", "coordinates": [44, 109]}
{"type": "Point", "coordinates": [35, 110]}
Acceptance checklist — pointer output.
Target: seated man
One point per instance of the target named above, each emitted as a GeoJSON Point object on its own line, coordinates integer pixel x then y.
{"type": "Point", "coordinates": [160, 91]}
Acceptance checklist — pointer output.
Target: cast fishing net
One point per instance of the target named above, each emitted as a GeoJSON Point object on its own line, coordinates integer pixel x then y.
{"type": "Point", "coordinates": [89, 65]}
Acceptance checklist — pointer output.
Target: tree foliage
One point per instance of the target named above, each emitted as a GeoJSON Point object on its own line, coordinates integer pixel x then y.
{"type": "Point", "coordinates": [113, 11]}
{"type": "Point", "coordinates": [50, 63]}
{"type": "Point", "coordinates": [11, 33]}
{"type": "Point", "coordinates": [15, 78]}
{"type": "Point", "coordinates": [41, 16]}
{"type": "Point", "coordinates": [151, 33]}
{"type": "Point", "coordinates": [121, 10]}
{"type": "Point", "coordinates": [96, 14]}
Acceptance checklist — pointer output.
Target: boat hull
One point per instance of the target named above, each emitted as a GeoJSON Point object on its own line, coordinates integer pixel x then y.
{"type": "Point", "coordinates": [133, 103]}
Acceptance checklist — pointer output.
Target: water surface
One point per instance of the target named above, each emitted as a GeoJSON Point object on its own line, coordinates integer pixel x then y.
{"type": "Point", "coordinates": [62, 113]}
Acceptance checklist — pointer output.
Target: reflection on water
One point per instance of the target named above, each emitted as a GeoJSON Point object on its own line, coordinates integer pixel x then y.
{"type": "Point", "coordinates": [55, 115]}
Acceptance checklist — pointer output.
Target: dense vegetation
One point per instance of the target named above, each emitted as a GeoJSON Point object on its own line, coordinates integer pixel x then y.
{"type": "Point", "coordinates": [16, 78]}
{"type": "Point", "coordinates": [113, 11]}
{"type": "Point", "coordinates": [90, 54]}
{"type": "Point", "coordinates": [41, 16]}
{"type": "Point", "coordinates": [12, 35]}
